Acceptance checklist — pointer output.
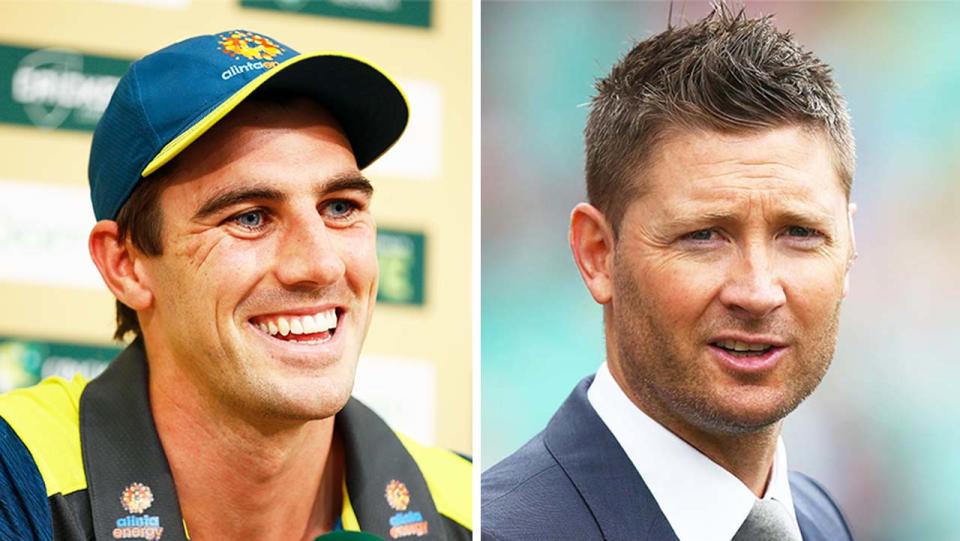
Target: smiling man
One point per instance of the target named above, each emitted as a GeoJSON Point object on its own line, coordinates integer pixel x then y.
{"type": "Point", "coordinates": [236, 233]}
{"type": "Point", "coordinates": [718, 239]}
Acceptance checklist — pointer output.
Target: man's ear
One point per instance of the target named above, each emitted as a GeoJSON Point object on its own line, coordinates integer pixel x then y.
{"type": "Point", "coordinates": [120, 265]}
{"type": "Point", "coordinates": [851, 212]}
{"type": "Point", "coordinates": [592, 243]}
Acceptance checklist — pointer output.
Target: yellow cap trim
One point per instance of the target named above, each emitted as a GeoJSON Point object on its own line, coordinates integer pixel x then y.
{"type": "Point", "coordinates": [192, 133]}
{"type": "Point", "coordinates": [46, 417]}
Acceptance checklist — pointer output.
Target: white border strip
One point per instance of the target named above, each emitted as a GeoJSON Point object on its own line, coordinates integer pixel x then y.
{"type": "Point", "coordinates": [475, 273]}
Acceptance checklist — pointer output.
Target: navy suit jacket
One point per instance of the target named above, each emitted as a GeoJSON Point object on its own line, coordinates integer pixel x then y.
{"type": "Point", "coordinates": [574, 481]}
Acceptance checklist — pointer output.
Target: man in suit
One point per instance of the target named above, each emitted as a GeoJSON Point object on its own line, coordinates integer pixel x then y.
{"type": "Point", "coordinates": [718, 239]}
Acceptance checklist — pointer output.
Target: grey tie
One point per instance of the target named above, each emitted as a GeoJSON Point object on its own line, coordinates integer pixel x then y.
{"type": "Point", "coordinates": [767, 521]}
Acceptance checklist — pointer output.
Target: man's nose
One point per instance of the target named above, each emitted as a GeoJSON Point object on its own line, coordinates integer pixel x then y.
{"type": "Point", "coordinates": [753, 287]}
{"type": "Point", "coordinates": [309, 254]}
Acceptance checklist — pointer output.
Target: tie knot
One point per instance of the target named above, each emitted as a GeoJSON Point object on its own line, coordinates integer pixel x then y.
{"type": "Point", "coordinates": [769, 520]}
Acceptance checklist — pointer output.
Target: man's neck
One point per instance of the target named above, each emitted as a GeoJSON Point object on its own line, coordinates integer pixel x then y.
{"type": "Point", "coordinates": [748, 456]}
{"type": "Point", "coordinates": [238, 479]}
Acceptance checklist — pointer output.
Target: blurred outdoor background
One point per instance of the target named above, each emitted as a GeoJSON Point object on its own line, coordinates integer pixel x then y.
{"type": "Point", "coordinates": [59, 63]}
{"type": "Point", "coordinates": [882, 432]}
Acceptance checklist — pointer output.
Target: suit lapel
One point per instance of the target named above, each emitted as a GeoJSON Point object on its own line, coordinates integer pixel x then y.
{"type": "Point", "coordinates": [610, 486]}
{"type": "Point", "coordinates": [809, 526]}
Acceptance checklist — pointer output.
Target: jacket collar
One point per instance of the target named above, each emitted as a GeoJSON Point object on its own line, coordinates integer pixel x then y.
{"type": "Point", "coordinates": [808, 527]}
{"type": "Point", "coordinates": [809, 510]}
{"type": "Point", "coordinates": [595, 463]}
{"type": "Point", "coordinates": [603, 474]}
{"type": "Point", "coordinates": [130, 484]}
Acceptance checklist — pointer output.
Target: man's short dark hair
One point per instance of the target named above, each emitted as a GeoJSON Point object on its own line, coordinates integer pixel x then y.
{"type": "Point", "coordinates": [141, 220]}
{"type": "Point", "coordinates": [727, 73]}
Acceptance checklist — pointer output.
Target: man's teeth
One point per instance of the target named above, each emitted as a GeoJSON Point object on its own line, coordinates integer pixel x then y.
{"type": "Point", "coordinates": [736, 345]}
{"type": "Point", "coordinates": [286, 325]}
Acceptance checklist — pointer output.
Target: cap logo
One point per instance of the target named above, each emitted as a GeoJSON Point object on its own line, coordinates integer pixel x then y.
{"type": "Point", "coordinates": [404, 523]}
{"type": "Point", "coordinates": [136, 499]}
{"type": "Point", "coordinates": [249, 46]}
{"type": "Point", "coordinates": [258, 51]}
{"type": "Point", "coordinates": [398, 497]}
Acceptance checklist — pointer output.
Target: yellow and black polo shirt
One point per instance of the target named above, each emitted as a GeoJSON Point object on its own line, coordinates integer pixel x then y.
{"type": "Point", "coordinates": [83, 461]}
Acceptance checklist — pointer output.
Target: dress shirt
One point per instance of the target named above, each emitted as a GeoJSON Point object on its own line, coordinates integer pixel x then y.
{"type": "Point", "coordinates": [701, 500]}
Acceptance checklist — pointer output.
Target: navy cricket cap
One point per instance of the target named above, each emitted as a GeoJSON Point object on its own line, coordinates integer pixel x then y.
{"type": "Point", "coordinates": [169, 98]}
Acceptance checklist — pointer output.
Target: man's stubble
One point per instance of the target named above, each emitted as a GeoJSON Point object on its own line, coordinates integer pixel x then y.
{"type": "Point", "coordinates": [664, 384]}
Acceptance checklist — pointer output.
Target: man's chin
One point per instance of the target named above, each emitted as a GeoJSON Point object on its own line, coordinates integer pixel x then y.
{"type": "Point", "coordinates": [742, 412]}
{"type": "Point", "coordinates": [271, 387]}
{"type": "Point", "coordinates": [310, 403]}
{"type": "Point", "coordinates": [297, 381]}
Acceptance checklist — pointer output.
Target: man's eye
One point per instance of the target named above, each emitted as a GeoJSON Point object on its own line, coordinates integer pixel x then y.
{"type": "Point", "coordinates": [702, 235]}
{"type": "Point", "coordinates": [340, 208]}
{"type": "Point", "coordinates": [802, 232]}
{"type": "Point", "coordinates": [253, 219]}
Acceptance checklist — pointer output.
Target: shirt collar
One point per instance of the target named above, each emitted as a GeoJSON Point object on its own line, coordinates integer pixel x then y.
{"type": "Point", "coordinates": [701, 500]}
{"type": "Point", "coordinates": [385, 492]}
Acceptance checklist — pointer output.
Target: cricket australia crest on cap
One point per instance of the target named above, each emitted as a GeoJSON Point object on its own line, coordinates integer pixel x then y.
{"type": "Point", "coordinates": [258, 51]}
{"type": "Point", "coordinates": [136, 499]}
{"type": "Point", "coordinates": [404, 523]}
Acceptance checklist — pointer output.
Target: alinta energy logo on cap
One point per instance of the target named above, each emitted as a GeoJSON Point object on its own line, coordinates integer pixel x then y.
{"type": "Point", "coordinates": [258, 51]}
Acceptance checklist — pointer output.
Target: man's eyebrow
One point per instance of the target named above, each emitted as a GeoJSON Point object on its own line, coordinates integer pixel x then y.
{"type": "Point", "coordinates": [236, 196]}
{"type": "Point", "coordinates": [806, 216]}
{"type": "Point", "coordinates": [350, 181]}
{"type": "Point", "coordinates": [699, 217]}
{"type": "Point", "coordinates": [793, 215]}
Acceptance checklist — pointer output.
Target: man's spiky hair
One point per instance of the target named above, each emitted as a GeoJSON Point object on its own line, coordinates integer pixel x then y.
{"type": "Point", "coordinates": [726, 72]}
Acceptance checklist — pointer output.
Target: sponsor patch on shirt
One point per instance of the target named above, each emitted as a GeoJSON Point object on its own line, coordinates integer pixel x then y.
{"type": "Point", "coordinates": [136, 499]}
{"type": "Point", "coordinates": [404, 523]}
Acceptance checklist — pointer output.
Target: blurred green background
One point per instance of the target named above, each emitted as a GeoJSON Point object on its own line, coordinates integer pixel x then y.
{"type": "Point", "coordinates": [881, 432]}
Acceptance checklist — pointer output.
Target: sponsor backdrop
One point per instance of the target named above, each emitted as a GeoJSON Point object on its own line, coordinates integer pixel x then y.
{"type": "Point", "coordinates": [882, 431]}
{"type": "Point", "coordinates": [59, 63]}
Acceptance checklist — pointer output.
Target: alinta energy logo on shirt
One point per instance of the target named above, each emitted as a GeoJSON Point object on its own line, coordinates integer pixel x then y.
{"type": "Point", "coordinates": [136, 499]}
{"type": "Point", "coordinates": [258, 51]}
{"type": "Point", "coordinates": [404, 523]}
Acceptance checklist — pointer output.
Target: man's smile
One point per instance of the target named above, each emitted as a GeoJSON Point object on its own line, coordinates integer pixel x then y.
{"type": "Point", "coordinates": [311, 328]}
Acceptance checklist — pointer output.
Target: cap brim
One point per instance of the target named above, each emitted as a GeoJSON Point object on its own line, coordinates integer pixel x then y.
{"type": "Point", "coordinates": [367, 103]}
